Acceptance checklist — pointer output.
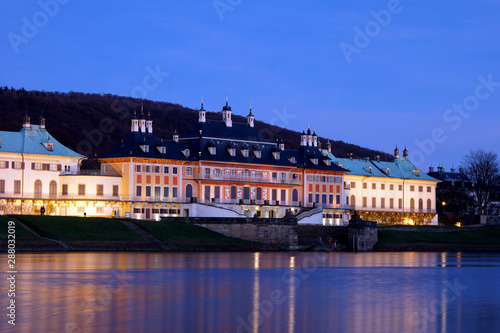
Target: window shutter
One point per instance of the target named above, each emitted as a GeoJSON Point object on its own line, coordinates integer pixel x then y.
{"type": "Point", "coordinates": [32, 166]}
{"type": "Point", "coordinates": [6, 164]}
{"type": "Point", "coordinates": [22, 165]}
{"type": "Point", "coordinates": [59, 167]}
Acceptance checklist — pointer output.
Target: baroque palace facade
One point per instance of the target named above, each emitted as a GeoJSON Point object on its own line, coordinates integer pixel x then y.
{"type": "Point", "coordinates": [219, 168]}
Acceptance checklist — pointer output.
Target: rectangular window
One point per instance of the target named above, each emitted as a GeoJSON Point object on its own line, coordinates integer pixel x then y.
{"type": "Point", "coordinates": [353, 184]}
{"type": "Point", "coordinates": [99, 210]}
{"type": "Point", "coordinates": [330, 179]}
{"type": "Point", "coordinates": [157, 192]}
{"type": "Point", "coordinates": [365, 202]}
{"type": "Point", "coordinates": [374, 186]}
{"type": "Point", "coordinates": [166, 191]}
{"type": "Point", "coordinates": [337, 199]}
{"type": "Point", "coordinates": [217, 172]}
{"type": "Point", "coordinates": [317, 179]}
{"type": "Point", "coordinates": [374, 202]}
{"type": "Point", "coordinates": [80, 209]}
{"type": "Point", "coordinates": [174, 192]}
{"type": "Point", "coordinates": [391, 187]}
{"type": "Point", "coordinates": [338, 180]}
{"type": "Point", "coordinates": [17, 187]}
{"type": "Point", "coordinates": [138, 190]}
{"type": "Point", "coordinates": [391, 203]}
{"type": "Point", "coordinates": [382, 186]}
{"type": "Point", "coordinates": [429, 189]}
{"type": "Point", "coordinates": [174, 170]}
{"type": "Point", "coordinates": [233, 173]}
{"type": "Point", "coordinates": [323, 198]}
{"type": "Point", "coordinates": [317, 198]}
{"type": "Point", "coordinates": [65, 189]}
{"type": "Point", "coordinates": [330, 199]}
{"type": "Point", "coordinates": [365, 186]}
{"type": "Point", "coordinates": [115, 190]}
{"type": "Point", "coordinates": [189, 171]}
{"type": "Point", "coordinates": [274, 196]}
{"type": "Point", "coordinates": [259, 174]}
{"type": "Point", "coordinates": [283, 195]}
{"type": "Point", "coordinates": [2, 185]}
{"type": "Point", "coordinates": [138, 168]}
{"type": "Point", "coordinates": [400, 203]}
{"type": "Point", "coordinates": [420, 188]}
{"type": "Point", "coordinates": [100, 190]}
{"type": "Point", "coordinates": [165, 170]}
{"type": "Point", "coordinates": [310, 198]}
{"type": "Point", "coordinates": [310, 178]}
{"type": "Point", "coordinates": [275, 175]}
{"type": "Point", "coordinates": [382, 202]}
{"type": "Point", "coordinates": [16, 165]}
{"type": "Point", "coordinates": [148, 168]}
{"type": "Point", "coordinates": [400, 187]}
{"type": "Point", "coordinates": [412, 188]}
{"type": "Point", "coordinates": [157, 169]}
{"type": "Point", "coordinates": [323, 179]}
{"type": "Point", "coordinates": [148, 190]}
{"type": "Point", "coordinates": [81, 189]}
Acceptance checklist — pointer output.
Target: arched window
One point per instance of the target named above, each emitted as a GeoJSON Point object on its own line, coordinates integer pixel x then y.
{"type": "Point", "coordinates": [189, 191]}
{"type": "Point", "coordinates": [38, 188]}
{"type": "Point", "coordinates": [412, 203]}
{"type": "Point", "coordinates": [53, 189]}
{"type": "Point", "coordinates": [353, 200]}
{"type": "Point", "coordinates": [295, 195]}
{"type": "Point", "coordinates": [429, 204]}
{"type": "Point", "coordinates": [420, 204]}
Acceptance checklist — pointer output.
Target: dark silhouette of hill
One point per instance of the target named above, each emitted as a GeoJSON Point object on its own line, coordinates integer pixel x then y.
{"type": "Point", "coordinates": [93, 124]}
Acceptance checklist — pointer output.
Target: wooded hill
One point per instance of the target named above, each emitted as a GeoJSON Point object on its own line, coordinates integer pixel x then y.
{"type": "Point", "coordinates": [93, 124]}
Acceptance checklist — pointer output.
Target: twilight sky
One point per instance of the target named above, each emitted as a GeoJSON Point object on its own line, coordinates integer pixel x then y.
{"type": "Point", "coordinates": [421, 73]}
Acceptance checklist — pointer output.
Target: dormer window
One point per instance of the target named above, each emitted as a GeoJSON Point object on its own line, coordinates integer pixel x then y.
{"type": "Point", "coordinates": [387, 171]}
{"type": "Point", "coordinates": [49, 146]}
{"type": "Point", "coordinates": [369, 169]}
{"type": "Point", "coordinates": [162, 150]}
{"type": "Point", "coordinates": [257, 153]}
{"type": "Point", "coordinates": [314, 161]}
{"type": "Point", "coordinates": [276, 155]}
{"type": "Point", "coordinates": [292, 160]}
{"type": "Point", "coordinates": [416, 172]}
{"type": "Point", "coordinates": [327, 161]}
{"type": "Point", "coordinates": [244, 152]}
{"type": "Point", "coordinates": [212, 150]}
{"type": "Point", "coordinates": [232, 151]}
{"type": "Point", "coordinates": [144, 148]}
{"type": "Point", "coordinates": [186, 152]}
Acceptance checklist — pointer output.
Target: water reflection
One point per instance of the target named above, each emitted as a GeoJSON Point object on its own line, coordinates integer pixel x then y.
{"type": "Point", "coordinates": [258, 292]}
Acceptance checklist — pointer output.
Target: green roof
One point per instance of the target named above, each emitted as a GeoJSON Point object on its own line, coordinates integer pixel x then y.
{"type": "Point", "coordinates": [401, 167]}
{"type": "Point", "coordinates": [33, 140]}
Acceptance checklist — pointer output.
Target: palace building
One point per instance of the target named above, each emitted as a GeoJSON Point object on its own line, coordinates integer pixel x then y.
{"type": "Point", "coordinates": [220, 168]}
{"type": "Point", "coordinates": [388, 192]}
{"type": "Point", "coordinates": [38, 171]}
{"type": "Point", "coordinates": [223, 168]}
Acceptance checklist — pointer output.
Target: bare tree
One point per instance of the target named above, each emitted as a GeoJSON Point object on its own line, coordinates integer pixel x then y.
{"type": "Point", "coordinates": [483, 169]}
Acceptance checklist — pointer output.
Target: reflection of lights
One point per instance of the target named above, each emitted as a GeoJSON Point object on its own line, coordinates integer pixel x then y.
{"type": "Point", "coordinates": [458, 224]}
{"type": "Point", "coordinates": [443, 203]}
{"type": "Point", "coordinates": [291, 297]}
{"type": "Point", "coordinates": [256, 292]}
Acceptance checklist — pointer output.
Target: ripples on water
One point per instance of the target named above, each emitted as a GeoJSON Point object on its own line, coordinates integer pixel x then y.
{"type": "Point", "coordinates": [257, 292]}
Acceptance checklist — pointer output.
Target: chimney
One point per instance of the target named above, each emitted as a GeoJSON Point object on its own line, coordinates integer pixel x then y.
{"type": "Point", "coordinates": [453, 170]}
{"type": "Point", "coordinates": [176, 136]}
{"type": "Point", "coordinates": [461, 170]}
{"type": "Point", "coordinates": [377, 157]}
{"type": "Point", "coordinates": [329, 146]}
{"type": "Point", "coordinates": [396, 152]}
{"type": "Point", "coordinates": [440, 169]}
{"type": "Point", "coordinates": [431, 169]}
{"type": "Point", "coordinates": [367, 158]}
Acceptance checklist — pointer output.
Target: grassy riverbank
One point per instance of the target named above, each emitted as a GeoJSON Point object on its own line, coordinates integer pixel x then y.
{"type": "Point", "coordinates": [65, 233]}
{"type": "Point", "coordinates": [486, 238]}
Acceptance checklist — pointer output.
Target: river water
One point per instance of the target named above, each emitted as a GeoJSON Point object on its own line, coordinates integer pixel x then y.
{"type": "Point", "coordinates": [256, 292]}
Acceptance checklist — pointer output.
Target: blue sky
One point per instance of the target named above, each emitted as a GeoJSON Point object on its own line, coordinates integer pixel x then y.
{"type": "Point", "coordinates": [296, 62]}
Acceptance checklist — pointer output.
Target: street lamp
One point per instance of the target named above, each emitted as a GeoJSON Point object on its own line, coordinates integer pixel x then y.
{"type": "Point", "coordinates": [444, 204]}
